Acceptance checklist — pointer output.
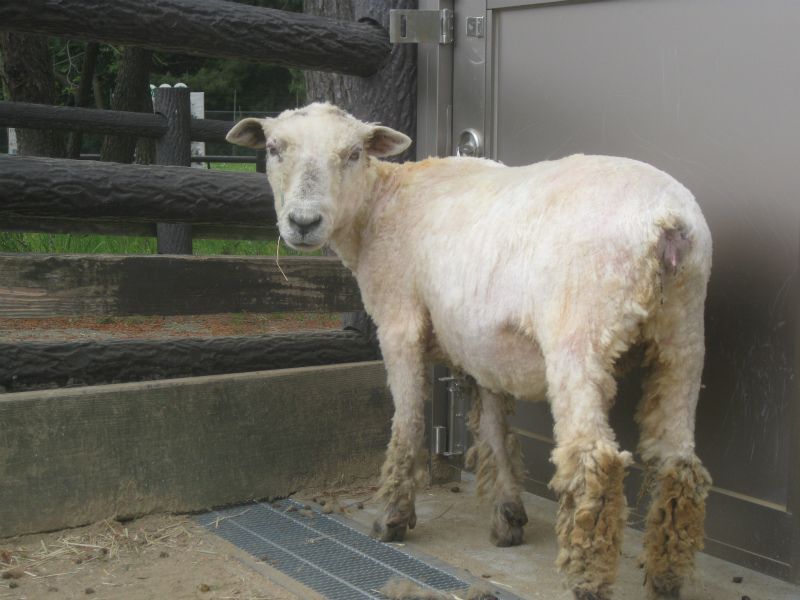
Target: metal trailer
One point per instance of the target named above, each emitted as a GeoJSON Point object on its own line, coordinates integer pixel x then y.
{"type": "Point", "coordinates": [708, 91]}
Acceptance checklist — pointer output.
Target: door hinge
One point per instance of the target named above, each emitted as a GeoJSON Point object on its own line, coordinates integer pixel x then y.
{"type": "Point", "coordinates": [421, 26]}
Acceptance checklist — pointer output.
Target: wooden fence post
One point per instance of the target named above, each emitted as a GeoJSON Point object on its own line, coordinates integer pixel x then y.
{"type": "Point", "coordinates": [174, 149]}
{"type": "Point", "coordinates": [261, 161]}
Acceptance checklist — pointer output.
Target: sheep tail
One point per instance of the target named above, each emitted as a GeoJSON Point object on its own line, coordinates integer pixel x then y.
{"type": "Point", "coordinates": [671, 247]}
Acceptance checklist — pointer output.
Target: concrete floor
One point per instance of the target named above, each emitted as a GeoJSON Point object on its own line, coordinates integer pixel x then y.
{"type": "Point", "coordinates": [453, 527]}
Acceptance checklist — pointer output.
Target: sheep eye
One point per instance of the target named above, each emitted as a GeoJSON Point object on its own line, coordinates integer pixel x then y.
{"type": "Point", "coordinates": [355, 155]}
{"type": "Point", "coordinates": [272, 149]}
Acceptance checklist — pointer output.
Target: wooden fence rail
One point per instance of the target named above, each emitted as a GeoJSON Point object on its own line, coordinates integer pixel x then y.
{"type": "Point", "coordinates": [210, 28]}
{"type": "Point", "coordinates": [112, 122]}
{"type": "Point", "coordinates": [30, 365]}
{"type": "Point", "coordinates": [52, 188]}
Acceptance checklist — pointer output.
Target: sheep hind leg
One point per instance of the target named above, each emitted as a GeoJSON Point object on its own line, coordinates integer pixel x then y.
{"type": "Point", "coordinates": [677, 481]}
{"type": "Point", "coordinates": [590, 470]}
{"type": "Point", "coordinates": [500, 471]}
{"type": "Point", "coordinates": [591, 516]}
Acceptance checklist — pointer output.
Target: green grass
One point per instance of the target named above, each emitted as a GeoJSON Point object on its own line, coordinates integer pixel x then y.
{"type": "Point", "coordinates": [248, 168]}
{"type": "Point", "coordinates": [103, 244]}
{"type": "Point", "coordinates": [61, 243]}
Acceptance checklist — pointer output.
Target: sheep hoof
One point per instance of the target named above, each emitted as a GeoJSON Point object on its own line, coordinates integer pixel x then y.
{"type": "Point", "coordinates": [507, 522]}
{"type": "Point", "coordinates": [663, 589]}
{"type": "Point", "coordinates": [395, 521]}
{"type": "Point", "coordinates": [584, 594]}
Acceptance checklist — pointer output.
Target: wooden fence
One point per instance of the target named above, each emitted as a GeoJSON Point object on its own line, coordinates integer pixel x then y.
{"type": "Point", "coordinates": [114, 428]}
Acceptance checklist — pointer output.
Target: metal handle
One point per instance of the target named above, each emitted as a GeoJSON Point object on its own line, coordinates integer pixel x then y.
{"type": "Point", "coordinates": [470, 143]}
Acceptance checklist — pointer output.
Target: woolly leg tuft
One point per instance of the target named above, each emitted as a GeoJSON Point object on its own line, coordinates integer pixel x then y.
{"type": "Point", "coordinates": [591, 519]}
{"type": "Point", "coordinates": [674, 533]}
{"type": "Point", "coordinates": [403, 472]}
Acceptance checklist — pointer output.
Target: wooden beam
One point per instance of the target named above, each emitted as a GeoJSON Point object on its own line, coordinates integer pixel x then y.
{"type": "Point", "coordinates": [26, 115]}
{"type": "Point", "coordinates": [31, 365]}
{"type": "Point", "coordinates": [72, 457]}
{"type": "Point", "coordinates": [96, 191]}
{"type": "Point", "coordinates": [64, 285]}
{"type": "Point", "coordinates": [69, 118]}
{"type": "Point", "coordinates": [128, 228]}
{"type": "Point", "coordinates": [210, 28]}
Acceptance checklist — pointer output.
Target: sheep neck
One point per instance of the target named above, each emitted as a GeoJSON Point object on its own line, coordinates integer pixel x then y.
{"type": "Point", "coordinates": [348, 239]}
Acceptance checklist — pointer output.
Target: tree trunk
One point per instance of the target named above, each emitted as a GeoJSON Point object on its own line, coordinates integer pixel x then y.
{"type": "Point", "coordinates": [28, 77]}
{"type": "Point", "coordinates": [98, 93]}
{"type": "Point", "coordinates": [389, 97]}
{"type": "Point", "coordinates": [132, 93]}
{"type": "Point", "coordinates": [91, 51]}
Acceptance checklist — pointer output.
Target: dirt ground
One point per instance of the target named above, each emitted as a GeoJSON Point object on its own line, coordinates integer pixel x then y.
{"type": "Point", "coordinates": [153, 558]}
{"type": "Point", "coordinates": [14, 330]}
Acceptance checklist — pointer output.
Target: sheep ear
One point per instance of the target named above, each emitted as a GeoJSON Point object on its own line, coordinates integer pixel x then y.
{"type": "Point", "coordinates": [249, 132]}
{"type": "Point", "coordinates": [387, 142]}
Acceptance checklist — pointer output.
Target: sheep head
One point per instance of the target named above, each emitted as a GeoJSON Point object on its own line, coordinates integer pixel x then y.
{"type": "Point", "coordinates": [318, 160]}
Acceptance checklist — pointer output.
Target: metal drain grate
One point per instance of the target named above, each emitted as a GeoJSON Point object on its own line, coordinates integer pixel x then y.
{"type": "Point", "coordinates": [334, 560]}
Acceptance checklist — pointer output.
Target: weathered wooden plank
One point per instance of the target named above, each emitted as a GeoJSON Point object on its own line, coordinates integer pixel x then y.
{"type": "Point", "coordinates": [26, 115]}
{"type": "Point", "coordinates": [210, 28]}
{"type": "Point", "coordinates": [71, 457]}
{"type": "Point", "coordinates": [64, 285]}
{"type": "Point", "coordinates": [127, 228]}
{"type": "Point", "coordinates": [32, 365]}
{"type": "Point", "coordinates": [96, 191]}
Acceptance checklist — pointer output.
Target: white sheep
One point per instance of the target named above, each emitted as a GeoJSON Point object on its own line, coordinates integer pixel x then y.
{"type": "Point", "coordinates": [533, 281]}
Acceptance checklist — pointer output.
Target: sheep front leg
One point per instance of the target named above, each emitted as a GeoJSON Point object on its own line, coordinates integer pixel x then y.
{"type": "Point", "coordinates": [589, 474]}
{"type": "Point", "coordinates": [500, 469]}
{"type": "Point", "coordinates": [404, 468]}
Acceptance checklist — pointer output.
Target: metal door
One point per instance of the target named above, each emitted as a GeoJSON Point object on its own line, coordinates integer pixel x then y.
{"type": "Point", "coordinates": [708, 91]}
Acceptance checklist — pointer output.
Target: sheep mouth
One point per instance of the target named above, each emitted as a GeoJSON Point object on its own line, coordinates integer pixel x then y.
{"type": "Point", "coordinates": [303, 247]}
{"type": "Point", "coordinates": [303, 243]}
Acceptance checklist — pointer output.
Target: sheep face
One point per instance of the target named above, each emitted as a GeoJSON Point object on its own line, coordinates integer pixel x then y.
{"type": "Point", "coordinates": [318, 160]}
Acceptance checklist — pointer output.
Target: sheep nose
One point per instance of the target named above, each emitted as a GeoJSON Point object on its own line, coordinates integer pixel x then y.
{"type": "Point", "coordinates": [304, 224]}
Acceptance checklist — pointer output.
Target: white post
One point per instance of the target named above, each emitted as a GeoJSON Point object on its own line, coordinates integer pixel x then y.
{"type": "Point", "coordinates": [12, 141]}
{"type": "Point", "coordinates": [198, 110]}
